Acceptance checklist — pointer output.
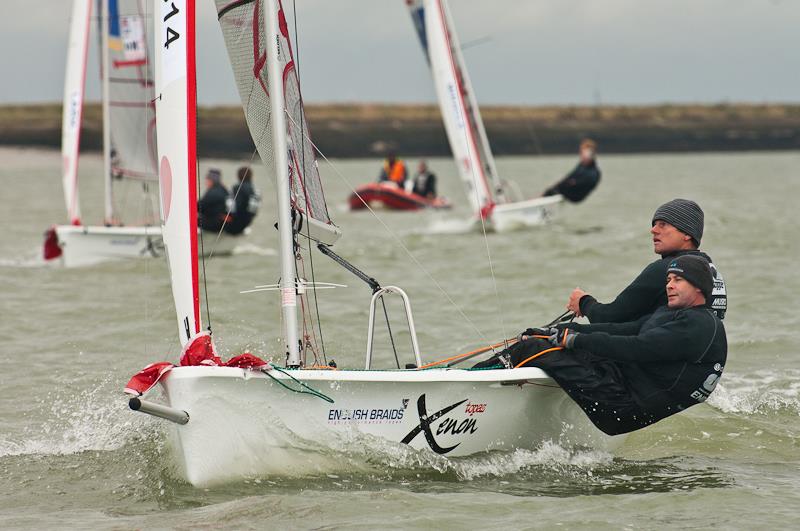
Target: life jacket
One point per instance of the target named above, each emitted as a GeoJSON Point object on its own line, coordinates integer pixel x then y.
{"type": "Point", "coordinates": [396, 172]}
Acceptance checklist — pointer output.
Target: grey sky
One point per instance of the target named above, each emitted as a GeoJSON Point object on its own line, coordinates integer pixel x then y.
{"type": "Point", "coordinates": [530, 51]}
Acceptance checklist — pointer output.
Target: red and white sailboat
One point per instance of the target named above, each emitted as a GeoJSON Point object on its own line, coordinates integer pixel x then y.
{"type": "Point", "coordinates": [128, 136]}
{"type": "Point", "coordinates": [491, 198]}
{"type": "Point", "coordinates": [241, 418]}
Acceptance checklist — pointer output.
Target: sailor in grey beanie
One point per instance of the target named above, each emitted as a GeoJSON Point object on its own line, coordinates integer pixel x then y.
{"type": "Point", "coordinates": [683, 214]}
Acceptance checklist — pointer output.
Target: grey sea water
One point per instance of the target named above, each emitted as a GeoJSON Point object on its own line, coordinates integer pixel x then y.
{"type": "Point", "coordinates": [73, 456]}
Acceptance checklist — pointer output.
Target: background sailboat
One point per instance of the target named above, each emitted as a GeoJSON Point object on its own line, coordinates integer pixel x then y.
{"type": "Point", "coordinates": [244, 417]}
{"type": "Point", "coordinates": [128, 136]}
{"type": "Point", "coordinates": [492, 200]}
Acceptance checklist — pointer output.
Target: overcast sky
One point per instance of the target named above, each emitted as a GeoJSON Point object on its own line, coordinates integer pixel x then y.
{"type": "Point", "coordinates": [524, 52]}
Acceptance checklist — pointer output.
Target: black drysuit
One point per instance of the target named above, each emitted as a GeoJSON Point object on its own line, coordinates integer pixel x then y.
{"type": "Point", "coordinates": [578, 184]}
{"type": "Point", "coordinates": [245, 207]}
{"type": "Point", "coordinates": [626, 376]}
{"type": "Point", "coordinates": [425, 184]}
{"type": "Point", "coordinates": [647, 292]}
{"type": "Point", "coordinates": [212, 208]}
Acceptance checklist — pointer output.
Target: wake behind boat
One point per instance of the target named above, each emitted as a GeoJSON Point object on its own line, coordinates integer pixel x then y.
{"type": "Point", "coordinates": [391, 196]}
{"type": "Point", "coordinates": [246, 417]}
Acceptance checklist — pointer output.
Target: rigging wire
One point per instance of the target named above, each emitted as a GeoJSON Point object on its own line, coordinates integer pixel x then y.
{"type": "Point", "coordinates": [391, 336]}
{"type": "Point", "coordinates": [399, 241]}
{"type": "Point", "coordinates": [303, 165]}
{"type": "Point", "coordinates": [471, 129]}
{"type": "Point", "coordinates": [197, 199]}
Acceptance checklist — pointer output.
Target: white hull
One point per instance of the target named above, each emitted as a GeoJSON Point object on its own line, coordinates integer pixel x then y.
{"type": "Point", "coordinates": [520, 214]}
{"type": "Point", "coordinates": [87, 245]}
{"type": "Point", "coordinates": [243, 424]}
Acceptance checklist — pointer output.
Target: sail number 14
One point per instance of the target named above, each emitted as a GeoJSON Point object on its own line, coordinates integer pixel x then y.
{"type": "Point", "coordinates": [172, 35]}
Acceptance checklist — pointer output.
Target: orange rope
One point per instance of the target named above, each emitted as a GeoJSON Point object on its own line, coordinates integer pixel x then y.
{"type": "Point", "coordinates": [476, 352]}
{"type": "Point", "coordinates": [545, 351]}
{"type": "Point", "coordinates": [471, 353]}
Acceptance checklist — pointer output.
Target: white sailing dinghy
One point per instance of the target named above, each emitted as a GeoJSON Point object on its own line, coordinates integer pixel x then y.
{"type": "Point", "coordinates": [128, 135]}
{"type": "Point", "coordinates": [492, 199]}
{"type": "Point", "coordinates": [241, 419]}
{"type": "Point", "coordinates": [129, 139]}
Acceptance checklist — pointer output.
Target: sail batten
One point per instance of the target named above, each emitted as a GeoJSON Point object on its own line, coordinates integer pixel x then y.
{"type": "Point", "coordinates": [72, 112]}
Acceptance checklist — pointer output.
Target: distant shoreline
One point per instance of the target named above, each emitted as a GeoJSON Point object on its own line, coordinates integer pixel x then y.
{"type": "Point", "coordinates": [370, 130]}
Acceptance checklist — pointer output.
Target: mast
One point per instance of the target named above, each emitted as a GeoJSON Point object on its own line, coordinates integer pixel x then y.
{"type": "Point", "coordinates": [72, 112]}
{"type": "Point", "coordinates": [106, 65]}
{"type": "Point", "coordinates": [288, 285]}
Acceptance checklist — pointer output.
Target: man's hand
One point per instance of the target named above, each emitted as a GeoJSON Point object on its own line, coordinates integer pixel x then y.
{"type": "Point", "coordinates": [530, 332]}
{"type": "Point", "coordinates": [563, 338]}
{"type": "Point", "coordinates": [574, 304]}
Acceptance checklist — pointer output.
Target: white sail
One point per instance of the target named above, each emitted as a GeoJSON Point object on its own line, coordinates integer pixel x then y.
{"type": "Point", "coordinates": [462, 119]}
{"type": "Point", "coordinates": [176, 108]}
{"type": "Point", "coordinates": [132, 122]}
{"type": "Point", "coordinates": [244, 26]}
{"type": "Point", "coordinates": [73, 104]}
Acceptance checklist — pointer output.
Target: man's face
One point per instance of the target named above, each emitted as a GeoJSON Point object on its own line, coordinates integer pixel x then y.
{"type": "Point", "coordinates": [681, 293]}
{"type": "Point", "coordinates": [666, 238]}
{"type": "Point", "coordinates": [586, 155]}
{"type": "Point", "coordinates": [209, 183]}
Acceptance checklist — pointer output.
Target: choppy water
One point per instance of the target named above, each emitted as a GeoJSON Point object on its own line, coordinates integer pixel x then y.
{"type": "Point", "coordinates": [72, 455]}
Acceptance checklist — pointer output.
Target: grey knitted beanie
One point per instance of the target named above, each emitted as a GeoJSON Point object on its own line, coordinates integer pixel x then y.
{"type": "Point", "coordinates": [683, 214]}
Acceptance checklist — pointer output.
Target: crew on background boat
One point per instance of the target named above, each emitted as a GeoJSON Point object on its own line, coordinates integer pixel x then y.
{"type": "Point", "coordinates": [576, 186]}
{"type": "Point", "coordinates": [677, 228]}
{"type": "Point", "coordinates": [394, 170]}
{"type": "Point", "coordinates": [626, 376]}
{"type": "Point", "coordinates": [424, 182]}
{"type": "Point", "coordinates": [245, 202]}
{"type": "Point", "coordinates": [212, 208]}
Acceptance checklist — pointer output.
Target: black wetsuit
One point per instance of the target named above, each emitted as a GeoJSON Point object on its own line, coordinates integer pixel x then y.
{"type": "Point", "coordinates": [425, 184]}
{"type": "Point", "coordinates": [245, 207]}
{"type": "Point", "coordinates": [647, 292]}
{"type": "Point", "coordinates": [578, 184]}
{"type": "Point", "coordinates": [626, 376]}
{"type": "Point", "coordinates": [212, 208]}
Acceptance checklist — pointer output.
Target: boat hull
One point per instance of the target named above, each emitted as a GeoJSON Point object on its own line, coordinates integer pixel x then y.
{"type": "Point", "coordinates": [520, 214]}
{"type": "Point", "coordinates": [86, 245]}
{"type": "Point", "coordinates": [390, 196]}
{"type": "Point", "coordinates": [243, 423]}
